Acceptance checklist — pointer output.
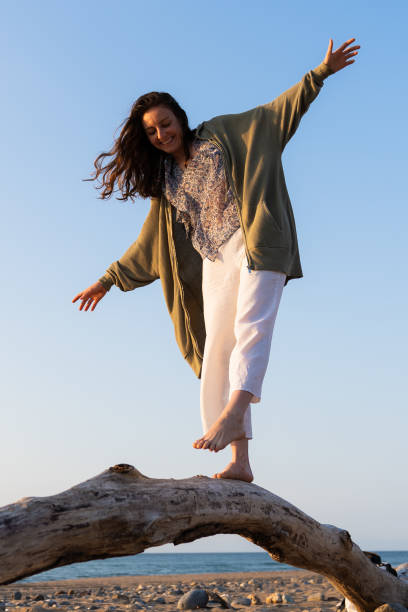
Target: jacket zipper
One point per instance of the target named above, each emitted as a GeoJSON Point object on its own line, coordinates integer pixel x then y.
{"type": "Point", "coordinates": [236, 198]}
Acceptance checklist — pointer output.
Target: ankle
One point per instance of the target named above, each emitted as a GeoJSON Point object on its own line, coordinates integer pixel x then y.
{"type": "Point", "coordinates": [240, 452]}
{"type": "Point", "coordinates": [239, 403]}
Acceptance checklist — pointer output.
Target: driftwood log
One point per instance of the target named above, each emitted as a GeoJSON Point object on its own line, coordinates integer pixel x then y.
{"type": "Point", "coordinates": [121, 512]}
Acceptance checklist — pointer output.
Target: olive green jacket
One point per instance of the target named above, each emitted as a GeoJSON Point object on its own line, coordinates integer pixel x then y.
{"type": "Point", "coordinates": [252, 143]}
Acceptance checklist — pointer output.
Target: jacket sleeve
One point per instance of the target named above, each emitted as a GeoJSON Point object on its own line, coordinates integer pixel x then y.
{"type": "Point", "coordinates": [291, 105]}
{"type": "Point", "coordinates": [139, 265]}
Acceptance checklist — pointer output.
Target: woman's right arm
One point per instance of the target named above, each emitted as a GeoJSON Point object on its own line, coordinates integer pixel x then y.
{"type": "Point", "coordinates": [136, 268]}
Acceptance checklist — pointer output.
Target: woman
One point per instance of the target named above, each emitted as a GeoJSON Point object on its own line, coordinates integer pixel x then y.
{"type": "Point", "coordinates": [221, 237]}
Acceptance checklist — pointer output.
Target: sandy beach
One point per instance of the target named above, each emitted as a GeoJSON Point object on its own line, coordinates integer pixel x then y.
{"type": "Point", "coordinates": [289, 591]}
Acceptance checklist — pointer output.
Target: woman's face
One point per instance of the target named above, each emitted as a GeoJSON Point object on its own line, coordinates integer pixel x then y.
{"type": "Point", "coordinates": [163, 129]}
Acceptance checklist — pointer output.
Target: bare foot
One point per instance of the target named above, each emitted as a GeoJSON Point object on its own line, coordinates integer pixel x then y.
{"type": "Point", "coordinates": [236, 471]}
{"type": "Point", "coordinates": [229, 426]}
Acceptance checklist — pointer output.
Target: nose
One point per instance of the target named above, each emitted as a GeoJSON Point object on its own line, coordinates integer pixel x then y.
{"type": "Point", "coordinates": [160, 133]}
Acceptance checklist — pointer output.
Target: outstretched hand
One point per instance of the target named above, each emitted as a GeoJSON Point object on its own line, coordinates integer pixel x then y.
{"type": "Point", "coordinates": [91, 296]}
{"type": "Point", "coordinates": [340, 58]}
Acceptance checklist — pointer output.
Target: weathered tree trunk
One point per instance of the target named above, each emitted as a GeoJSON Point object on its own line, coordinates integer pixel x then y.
{"type": "Point", "coordinates": [121, 512]}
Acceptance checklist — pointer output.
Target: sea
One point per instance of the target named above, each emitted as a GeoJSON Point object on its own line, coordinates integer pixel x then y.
{"type": "Point", "coordinates": [146, 564]}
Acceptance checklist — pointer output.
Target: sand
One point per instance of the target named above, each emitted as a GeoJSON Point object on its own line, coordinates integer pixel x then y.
{"type": "Point", "coordinates": [243, 591]}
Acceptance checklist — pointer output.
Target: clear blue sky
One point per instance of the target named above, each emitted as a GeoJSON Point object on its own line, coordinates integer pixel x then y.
{"type": "Point", "coordinates": [81, 392]}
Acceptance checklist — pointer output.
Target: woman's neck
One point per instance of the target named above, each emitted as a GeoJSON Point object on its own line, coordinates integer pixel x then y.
{"type": "Point", "coordinates": [180, 156]}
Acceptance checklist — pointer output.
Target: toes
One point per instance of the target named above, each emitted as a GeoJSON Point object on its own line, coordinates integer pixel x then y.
{"type": "Point", "coordinates": [222, 475]}
{"type": "Point", "coordinates": [204, 444]}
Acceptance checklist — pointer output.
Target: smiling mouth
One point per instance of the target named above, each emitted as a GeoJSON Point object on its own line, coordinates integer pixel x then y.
{"type": "Point", "coordinates": [163, 144]}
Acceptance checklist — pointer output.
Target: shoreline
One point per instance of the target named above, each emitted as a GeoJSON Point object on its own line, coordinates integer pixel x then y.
{"type": "Point", "coordinates": [293, 590]}
{"type": "Point", "coordinates": [96, 582]}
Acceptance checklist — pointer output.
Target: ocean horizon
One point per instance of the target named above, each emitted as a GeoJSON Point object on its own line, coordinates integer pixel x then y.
{"type": "Point", "coordinates": [150, 563]}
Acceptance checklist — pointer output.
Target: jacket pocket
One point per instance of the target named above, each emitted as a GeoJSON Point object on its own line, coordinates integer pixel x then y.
{"type": "Point", "coordinates": [264, 229]}
{"type": "Point", "coordinates": [271, 216]}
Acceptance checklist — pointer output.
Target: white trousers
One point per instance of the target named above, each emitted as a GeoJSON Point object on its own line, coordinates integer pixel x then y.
{"type": "Point", "coordinates": [240, 308]}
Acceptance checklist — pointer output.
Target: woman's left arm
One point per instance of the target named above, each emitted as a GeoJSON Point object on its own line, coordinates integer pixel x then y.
{"type": "Point", "coordinates": [289, 107]}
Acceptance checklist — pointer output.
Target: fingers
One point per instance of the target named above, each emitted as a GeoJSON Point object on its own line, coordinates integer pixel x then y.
{"type": "Point", "coordinates": [346, 44]}
{"type": "Point", "coordinates": [342, 57]}
{"type": "Point", "coordinates": [90, 298]}
{"type": "Point", "coordinates": [347, 56]}
{"type": "Point", "coordinates": [80, 296]}
{"type": "Point", "coordinates": [89, 302]}
{"type": "Point", "coordinates": [353, 48]}
{"type": "Point", "coordinates": [330, 47]}
{"type": "Point", "coordinates": [84, 299]}
{"type": "Point", "coordinates": [329, 51]}
{"type": "Point", "coordinates": [83, 302]}
{"type": "Point", "coordinates": [96, 301]}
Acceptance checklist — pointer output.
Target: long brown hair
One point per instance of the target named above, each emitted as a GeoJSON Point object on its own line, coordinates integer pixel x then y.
{"type": "Point", "coordinates": [136, 166]}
